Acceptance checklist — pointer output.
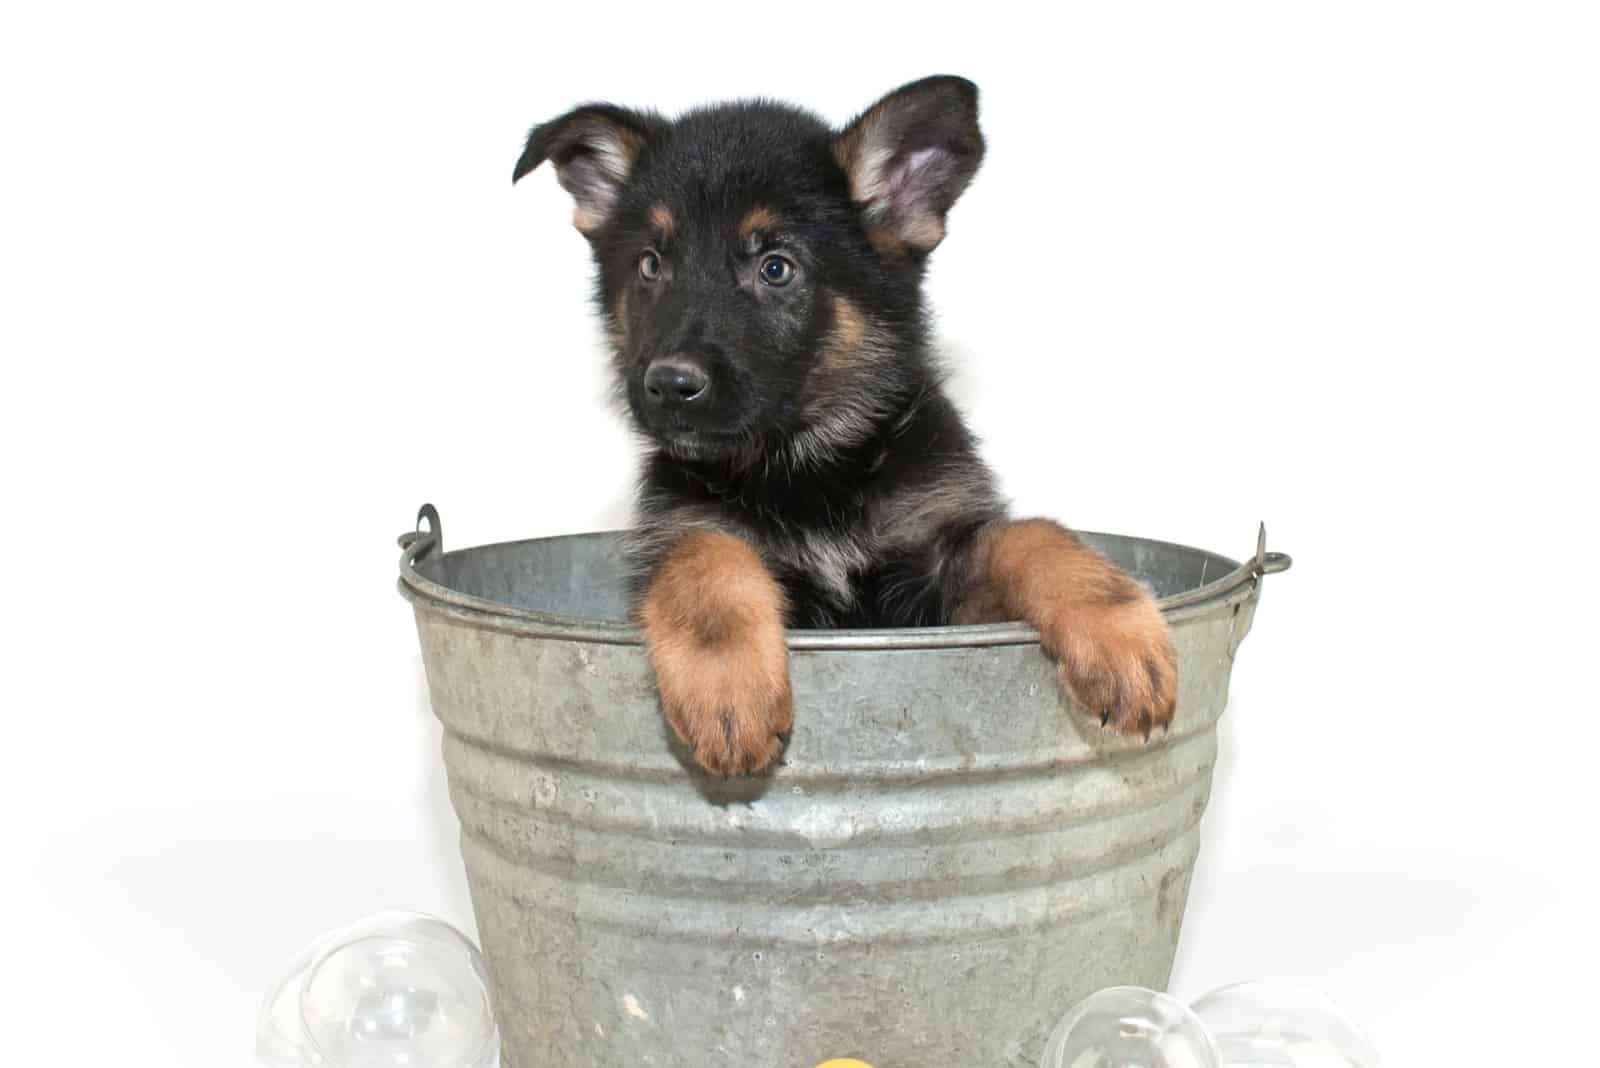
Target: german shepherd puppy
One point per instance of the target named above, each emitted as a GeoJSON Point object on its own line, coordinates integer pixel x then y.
{"type": "Point", "coordinates": [759, 275]}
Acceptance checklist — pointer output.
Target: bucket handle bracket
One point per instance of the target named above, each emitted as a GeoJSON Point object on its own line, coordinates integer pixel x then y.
{"type": "Point", "coordinates": [1266, 563]}
{"type": "Point", "coordinates": [426, 539]}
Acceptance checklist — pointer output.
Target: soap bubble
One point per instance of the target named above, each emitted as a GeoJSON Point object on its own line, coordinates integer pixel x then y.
{"type": "Point", "coordinates": [1270, 1025]}
{"type": "Point", "coordinates": [1249, 1025]}
{"type": "Point", "coordinates": [395, 990]}
{"type": "Point", "coordinates": [1130, 1027]}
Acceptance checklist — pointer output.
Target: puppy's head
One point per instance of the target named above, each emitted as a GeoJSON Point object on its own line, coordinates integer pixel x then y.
{"type": "Point", "coordinates": [758, 271]}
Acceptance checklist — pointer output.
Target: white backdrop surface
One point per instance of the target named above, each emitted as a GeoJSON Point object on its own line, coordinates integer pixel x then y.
{"type": "Point", "coordinates": [268, 287]}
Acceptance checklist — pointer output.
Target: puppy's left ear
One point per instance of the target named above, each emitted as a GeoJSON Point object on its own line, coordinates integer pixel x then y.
{"type": "Point", "coordinates": [909, 157]}
{"type": "Point", "coordinates": [594, 149]}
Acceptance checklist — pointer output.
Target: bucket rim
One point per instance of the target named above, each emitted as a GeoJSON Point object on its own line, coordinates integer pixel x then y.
{"type": "Point", "coordinates": [1242, 582]}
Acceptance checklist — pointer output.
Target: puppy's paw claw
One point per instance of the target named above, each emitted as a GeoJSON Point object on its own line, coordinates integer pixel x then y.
{"type": "Point", "coordinates": [1119, 660]}
{"type": "Point", "coordinates": [731, 706]}
{"type": "Point", "coordinates": [730, 741]}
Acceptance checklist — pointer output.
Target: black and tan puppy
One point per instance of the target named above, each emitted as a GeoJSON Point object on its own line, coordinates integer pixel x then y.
{"type": "Point", "coordinates": [760, 277]}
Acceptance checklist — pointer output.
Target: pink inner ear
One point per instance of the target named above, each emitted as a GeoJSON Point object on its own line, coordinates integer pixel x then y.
{"type": "Point", "coordinates": [593, 173]}
{"type": "Point", "coordinates": [915, 182]}
{"type": "Point", "coordinates": [922, 157]}
{"type": "Point", "coordinates": [588, 178]}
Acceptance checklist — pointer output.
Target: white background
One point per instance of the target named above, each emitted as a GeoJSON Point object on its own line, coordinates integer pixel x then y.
{"type": "Point", "coordinates": [267, 287]}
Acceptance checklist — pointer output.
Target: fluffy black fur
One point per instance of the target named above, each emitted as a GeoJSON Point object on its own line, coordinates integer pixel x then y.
{"type": "Point", "coordinates": [822, 434]}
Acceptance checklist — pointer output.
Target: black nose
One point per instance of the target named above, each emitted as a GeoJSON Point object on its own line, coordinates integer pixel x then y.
{"type": "Point", "coordinates": [672, 381]}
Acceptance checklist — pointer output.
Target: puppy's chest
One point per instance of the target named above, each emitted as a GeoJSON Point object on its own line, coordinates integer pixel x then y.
{"type": "Point", "coordinates": [822, 548]}
{"type": "Point", "coordinates": [822, 572]}
{"type": "Point", "coordinates": [835, 548]}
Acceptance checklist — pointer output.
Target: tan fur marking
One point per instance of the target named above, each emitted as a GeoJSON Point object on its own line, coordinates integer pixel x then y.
{"type": "Point", "coordinates": [621, 158]}
{"type": "Point", "coordinates": [847, 150]}
{"type": "Point", "coordinates": [1114, 652]}
{"type": "Point", "coordinates": [756, 220]}
{"type": "Point", "coordinates": [849, 325]}
{"type": "Point", "coordinates": [844, 151]}
{"type": "Point", "coordinates": [923, 232]}
{"type": "Point", "coordinates": [842, 346]}
{"type": "Point", "coordinates": [661, 219]}
{"type": "Point", "coordinates": [837, 411]}
{"type": "Point", "coordinates": [886, 241]}
{"type": "Point", "coordinates": [713, 625]}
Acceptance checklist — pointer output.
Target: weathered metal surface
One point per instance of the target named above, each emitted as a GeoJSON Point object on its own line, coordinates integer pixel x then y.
{"type": "Point", "coordinates": [948, 858]}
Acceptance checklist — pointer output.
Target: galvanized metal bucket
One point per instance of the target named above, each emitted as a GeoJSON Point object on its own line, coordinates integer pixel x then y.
{"type": "Point", "coordinates": [948, 858]}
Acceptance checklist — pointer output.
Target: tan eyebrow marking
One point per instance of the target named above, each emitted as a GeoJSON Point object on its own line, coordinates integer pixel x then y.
{"type": "Point", "coordinates": [661, 218]}
{"type": "Point", "coordinates": [756, 220]}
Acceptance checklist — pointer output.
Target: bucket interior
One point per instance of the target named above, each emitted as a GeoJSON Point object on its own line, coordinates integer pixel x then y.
{"type": "Point", "coordinates": [580, 577]}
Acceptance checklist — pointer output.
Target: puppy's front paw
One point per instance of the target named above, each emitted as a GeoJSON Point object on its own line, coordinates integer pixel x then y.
{"type": "Point", "coordinates": [1117, 661]}
{"type": "Point", "coordinates": [729, 703]}
{"type": "Point", "coordinates": [1103, 629]}
{"type": "Point", "coordinates": [713, 624]}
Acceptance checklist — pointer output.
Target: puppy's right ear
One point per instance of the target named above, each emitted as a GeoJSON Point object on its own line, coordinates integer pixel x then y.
{"type": "Point", "coordinates": [593, 149]}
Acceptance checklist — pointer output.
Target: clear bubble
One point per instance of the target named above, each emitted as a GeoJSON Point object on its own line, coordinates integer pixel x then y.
{"type": "Point", "coordinates": [1130, 1027]}
{"type": "Point", "coordinates": [1271, 1025]}
{"type": "Point", "coordinates": [396, 990]}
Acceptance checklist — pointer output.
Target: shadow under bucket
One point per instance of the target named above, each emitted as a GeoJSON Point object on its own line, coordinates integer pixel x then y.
{"type": "Point", "coordinates": [948, 858]}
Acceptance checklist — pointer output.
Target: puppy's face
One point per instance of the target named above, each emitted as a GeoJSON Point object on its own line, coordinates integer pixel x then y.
{"type": "Point", "coordinates": [758, 271]}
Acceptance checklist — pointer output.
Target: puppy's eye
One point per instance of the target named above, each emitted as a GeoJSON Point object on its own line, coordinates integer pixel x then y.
{"type": "Point", "coordinates": [777, 271]}
{"type": "Point", "coordinates": [649, 265]}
